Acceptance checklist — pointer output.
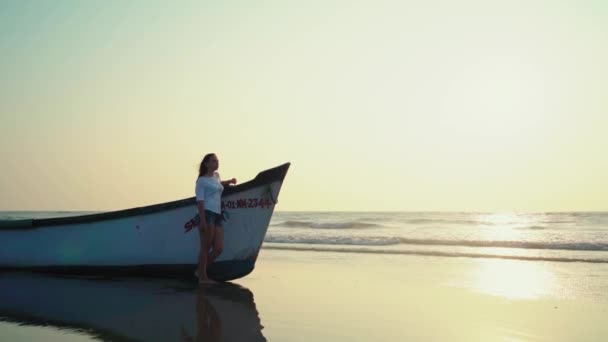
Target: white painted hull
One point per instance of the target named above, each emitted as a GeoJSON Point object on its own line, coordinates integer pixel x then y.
{"type": "Point", "coordinates": [144, 241]}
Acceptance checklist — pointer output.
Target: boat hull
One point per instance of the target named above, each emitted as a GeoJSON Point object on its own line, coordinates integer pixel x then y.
{"type": "Point", "coordinates": [149, 240]}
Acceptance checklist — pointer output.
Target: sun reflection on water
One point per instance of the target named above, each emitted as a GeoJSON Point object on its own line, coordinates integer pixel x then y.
{"type": "Point", "coordinates": [512, 219]}
{"type": "Point", "coordinates": [508, 226]}
{"type": "Point", "coordinates": [513, 279]}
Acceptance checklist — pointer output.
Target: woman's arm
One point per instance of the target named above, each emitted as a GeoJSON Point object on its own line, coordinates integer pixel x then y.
{"type": "Point", "coordinates": [228, 182]}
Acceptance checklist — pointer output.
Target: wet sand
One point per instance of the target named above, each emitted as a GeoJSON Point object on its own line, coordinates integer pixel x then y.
{"type": "Point", "coordinates": [307, 296]}
{"type": "Point", "coordinates": [321, 296]}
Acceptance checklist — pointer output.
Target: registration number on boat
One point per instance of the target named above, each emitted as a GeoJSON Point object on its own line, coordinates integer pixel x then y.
{"type": "Point", "coordinates": [241, 203]}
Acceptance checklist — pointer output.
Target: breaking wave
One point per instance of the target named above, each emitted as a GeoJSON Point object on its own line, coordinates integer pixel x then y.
{"type": "Point", "coordinates": [434, 253]}
{"type": "Point", "coordinates": [327, 225]}
{"type": "Point", "coordinates": [388, 241]}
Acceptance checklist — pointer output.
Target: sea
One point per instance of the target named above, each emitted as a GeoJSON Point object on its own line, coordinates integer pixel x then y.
{"type": "Point", "coordinates": [543, 236]}
{"type": "Point", "coordinates": [558, 236]}
{"type": "Point", "coordinates": [551, 265]}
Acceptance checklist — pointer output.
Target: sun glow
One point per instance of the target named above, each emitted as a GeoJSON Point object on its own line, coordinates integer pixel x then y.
{"type": "Point", "coordinates": [498, 101]}
{"type": "Point", "coordinates": [460, 106]}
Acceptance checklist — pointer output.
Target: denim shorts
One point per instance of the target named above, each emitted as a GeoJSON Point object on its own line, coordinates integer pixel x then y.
{"type": "Point", "coordinates": [213, 218]}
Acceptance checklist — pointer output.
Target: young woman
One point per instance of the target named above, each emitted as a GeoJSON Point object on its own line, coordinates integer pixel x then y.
{"type": "Point", "coordinates": [209, 188]}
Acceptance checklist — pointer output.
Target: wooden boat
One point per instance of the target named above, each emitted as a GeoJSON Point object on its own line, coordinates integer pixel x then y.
{"type": "Point", "coordinates": [130, 309]}
{"type": "Point", "coordinates": [149, 240]}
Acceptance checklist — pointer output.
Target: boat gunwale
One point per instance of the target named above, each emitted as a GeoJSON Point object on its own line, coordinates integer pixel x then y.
{"type": "Point", "coordinates": [265, 177]}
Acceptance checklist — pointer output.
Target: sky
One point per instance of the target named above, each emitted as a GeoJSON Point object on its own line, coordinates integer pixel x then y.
{"type": "Point", "coordinates": [379, 105]}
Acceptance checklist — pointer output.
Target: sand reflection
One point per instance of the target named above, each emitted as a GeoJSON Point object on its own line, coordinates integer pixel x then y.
{"type": "Point", "coordinates": [208, 323]}
{"type": "Point", "coordinates": [123, 309]}
{"type": "Point", "coordinates": [224, 312]}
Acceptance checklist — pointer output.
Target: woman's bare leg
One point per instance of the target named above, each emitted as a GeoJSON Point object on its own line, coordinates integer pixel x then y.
{"type": "Point", "coordinates": [218, 244]}
{"type": "Point", "coordinates": [206, 238]}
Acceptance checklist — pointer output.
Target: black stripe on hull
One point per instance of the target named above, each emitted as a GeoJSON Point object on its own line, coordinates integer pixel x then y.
{"type": "Point", "coordinates": [219, 271]}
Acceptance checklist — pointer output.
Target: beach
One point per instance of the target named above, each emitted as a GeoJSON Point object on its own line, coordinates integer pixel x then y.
{"type": "Point", "coordinates": [307, 296]}
{"type": "Point", "coordinates": [338, 296]}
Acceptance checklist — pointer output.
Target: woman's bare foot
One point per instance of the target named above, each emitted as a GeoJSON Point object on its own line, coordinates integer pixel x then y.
{"type": "Point", "coordinates": [206, 281]}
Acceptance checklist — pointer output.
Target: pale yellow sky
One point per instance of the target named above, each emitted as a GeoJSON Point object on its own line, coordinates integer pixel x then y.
{"type": "Point", "coordinates": [379, 105]}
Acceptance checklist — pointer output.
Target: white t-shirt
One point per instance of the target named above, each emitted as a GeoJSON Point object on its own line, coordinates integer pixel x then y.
{"type": "Point", "coordinates": [209, 189]}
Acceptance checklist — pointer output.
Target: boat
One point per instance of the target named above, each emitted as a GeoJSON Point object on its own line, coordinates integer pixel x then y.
{"type": "Point", "coordinates": [129, 308]}
{"type": "Point", "coordinates": [155, 240]}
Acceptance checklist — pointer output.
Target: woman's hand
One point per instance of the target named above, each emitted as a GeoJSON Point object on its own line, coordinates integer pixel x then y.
{"type": "Point", "coordinates": [202, 226]}
{"type": "Point", "coordinates": [228, 182]}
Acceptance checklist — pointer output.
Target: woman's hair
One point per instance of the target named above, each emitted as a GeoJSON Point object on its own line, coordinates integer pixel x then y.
{"type": "Point", "coordinates": [203, 168]}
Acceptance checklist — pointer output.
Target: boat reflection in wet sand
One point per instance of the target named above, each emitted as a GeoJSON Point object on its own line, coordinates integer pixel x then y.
{"type": "Point", "coordinates": [129, 309]}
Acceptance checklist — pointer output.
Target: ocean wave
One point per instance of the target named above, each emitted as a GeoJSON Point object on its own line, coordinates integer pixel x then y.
{"type": "Point", "coordinates": [32, 215]}
{"type": "Point", "coordinates": [484, 220]}
{"type": "Point", "coordinates": [442, 221]}
{"type": "Point", "coordinates": [327, 225]}
{"type": "Point", "coordinates": [12, 218]}
{"type": "Point", "coordinates": [570, 246]}
{"type": "Point", "coordinates": [434, 253]}
{"type": "Point", "coordinates": [356, 241]}
{"type": "Point", "coordinates": [532, 228]}
{"type": "Point", "coordinates": [388, 241]}
{"type": "Point", "coordinates": [436, 222]}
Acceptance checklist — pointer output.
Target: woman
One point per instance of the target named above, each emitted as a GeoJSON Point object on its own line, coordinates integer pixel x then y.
{"type": "Point", "coordinates": [209, 190]}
